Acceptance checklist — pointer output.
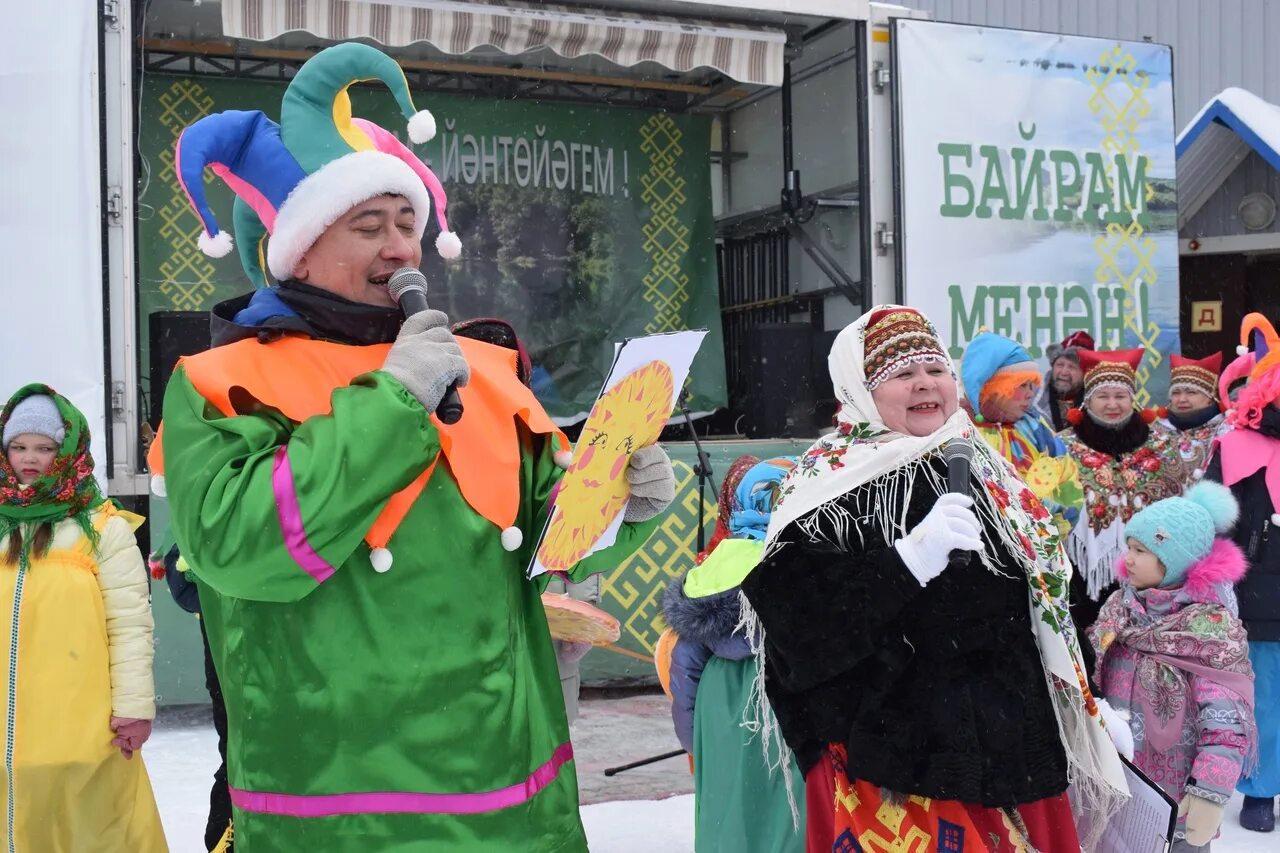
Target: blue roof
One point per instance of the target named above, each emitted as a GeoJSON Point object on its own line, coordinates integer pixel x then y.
{"type": "Point", "coordinates": [1254, 120]}
{"type": "Point", "coordinates": [1218, 140]}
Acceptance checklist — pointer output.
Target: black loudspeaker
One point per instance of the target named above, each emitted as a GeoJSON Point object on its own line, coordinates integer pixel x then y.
{"type": "Point", "coordinates": [173, 335]}
{"type": "Point", "coordinates": [778, 378]}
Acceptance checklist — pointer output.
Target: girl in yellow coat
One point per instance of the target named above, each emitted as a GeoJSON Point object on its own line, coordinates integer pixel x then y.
{"type": "Point", "coordinates": [76, 647]}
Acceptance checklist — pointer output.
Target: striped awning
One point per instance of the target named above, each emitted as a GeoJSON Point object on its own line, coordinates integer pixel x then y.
{"type": "Point", "coordinates": [747, 55]}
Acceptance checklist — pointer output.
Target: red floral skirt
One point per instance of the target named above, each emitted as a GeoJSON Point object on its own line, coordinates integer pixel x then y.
{"type": "Point", "coordinates": [860, 820]}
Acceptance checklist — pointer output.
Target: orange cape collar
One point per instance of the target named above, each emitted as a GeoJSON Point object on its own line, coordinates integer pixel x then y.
{"type": "Point", "coordinates": [297, 375]}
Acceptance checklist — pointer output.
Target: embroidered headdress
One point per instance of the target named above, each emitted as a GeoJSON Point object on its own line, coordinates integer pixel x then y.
{"type": "Point", "coordinates": [896, 337]}
{"type": "Point", "coordinates": [1110, 369]}
{"type": "Point", "coordinates": [1189, 374]}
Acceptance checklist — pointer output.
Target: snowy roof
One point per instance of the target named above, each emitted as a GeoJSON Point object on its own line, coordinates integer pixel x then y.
{"type": "Point", "coordinates": [1218, 139]}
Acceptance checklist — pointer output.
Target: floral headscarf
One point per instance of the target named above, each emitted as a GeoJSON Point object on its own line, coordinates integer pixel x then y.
{"type": "Point", "coordinates": [724, 509]}
{"type": "Point", "coordinates": [755, 496]}
{"type": "Point", "coordinates": [67, 490]}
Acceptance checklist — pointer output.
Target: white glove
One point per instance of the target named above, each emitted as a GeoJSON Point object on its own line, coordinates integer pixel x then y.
{"type": "Point", "coordinates": [949, 526]}
{"type": "Point", "coordinates": [1117, 726]}
{"type": "Point", "coordinates": [1204, 817]}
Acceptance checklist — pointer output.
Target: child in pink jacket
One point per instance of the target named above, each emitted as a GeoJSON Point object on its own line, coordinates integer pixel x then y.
{"type": "Point", "coordinates": [1173, 654]}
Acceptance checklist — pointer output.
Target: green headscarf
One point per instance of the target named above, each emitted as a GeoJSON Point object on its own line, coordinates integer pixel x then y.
{"type": "Point", "coordinates": [67, 490]}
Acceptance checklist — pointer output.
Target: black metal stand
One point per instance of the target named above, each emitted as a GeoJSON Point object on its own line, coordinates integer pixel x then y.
{"type": "Point", "coordinates": [702, 469]}
{"type": "Point", "coordinates": [705, 477]}
{"type": "Point", "coordinates": [613, 771]}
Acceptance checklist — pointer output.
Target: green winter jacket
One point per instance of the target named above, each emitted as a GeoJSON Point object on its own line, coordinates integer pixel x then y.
{"type": "Point", "coordinates": [741, 801]}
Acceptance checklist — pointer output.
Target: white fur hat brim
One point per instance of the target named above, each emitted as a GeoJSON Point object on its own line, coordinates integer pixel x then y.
{"type": "Point", "coordinates": [324, 196]}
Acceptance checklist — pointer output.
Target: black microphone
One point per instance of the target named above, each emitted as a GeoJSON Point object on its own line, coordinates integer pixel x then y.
{"type": "Point", "coordinates": [958, 453]}
{"type": "Point", "coordinates": [408, 287]}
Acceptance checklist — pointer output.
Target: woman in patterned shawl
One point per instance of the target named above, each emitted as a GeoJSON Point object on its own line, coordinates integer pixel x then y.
{"type": "Point", "coordinates": [920, 658]}
{"type": "Point", "coordinates": [1124, 465]}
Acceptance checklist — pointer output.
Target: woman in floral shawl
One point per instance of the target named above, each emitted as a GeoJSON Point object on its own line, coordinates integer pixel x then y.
{"type": "Point", "coordinates": [917, 643]}
{"type": "Point", "coordinates": [1124, 465]}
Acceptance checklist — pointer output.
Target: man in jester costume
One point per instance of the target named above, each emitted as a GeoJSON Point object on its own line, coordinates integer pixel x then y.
{"type": "Point", "coordinates": [389, 677]}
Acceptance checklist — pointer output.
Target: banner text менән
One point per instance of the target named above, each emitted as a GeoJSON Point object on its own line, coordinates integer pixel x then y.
{"type": "Point", "coordinates": [1038, 315]}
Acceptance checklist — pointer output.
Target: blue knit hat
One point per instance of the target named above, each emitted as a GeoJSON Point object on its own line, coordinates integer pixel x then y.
{"type": "Point", "coordinates": [1180, 531]}
{"type": "Point", "coordinates": [985, 356]}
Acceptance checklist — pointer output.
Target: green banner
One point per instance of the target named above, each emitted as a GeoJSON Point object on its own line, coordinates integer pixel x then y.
{"type": "Point", "coordinates": [580, 225]}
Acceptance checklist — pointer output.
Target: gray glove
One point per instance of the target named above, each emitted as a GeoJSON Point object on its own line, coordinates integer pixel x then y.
{"type": "Point", "coordinates": [653, 483]}
{"type": "Point", "coordinates": [426, 359]}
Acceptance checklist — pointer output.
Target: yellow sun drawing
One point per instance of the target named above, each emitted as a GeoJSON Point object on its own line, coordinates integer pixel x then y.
{"type": "Point", "coordinates": [628, 416]}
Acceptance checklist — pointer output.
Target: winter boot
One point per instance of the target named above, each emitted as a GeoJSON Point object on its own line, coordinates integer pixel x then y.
{"type": "Point", "coordinates": [1258, 814]}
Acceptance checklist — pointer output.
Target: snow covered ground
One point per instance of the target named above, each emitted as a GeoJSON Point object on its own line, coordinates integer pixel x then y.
{"type": "Point", "coordinates": [633, 812]}
{"type": "Point", "coordinates": [181, 762]}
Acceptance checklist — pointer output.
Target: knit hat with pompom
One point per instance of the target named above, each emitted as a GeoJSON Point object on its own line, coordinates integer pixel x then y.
{"type": "Point", "coordinates": [1180, 531]}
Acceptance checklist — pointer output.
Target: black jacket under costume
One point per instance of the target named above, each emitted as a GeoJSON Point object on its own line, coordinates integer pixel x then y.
{"type": "Point", "coordinates": [1259, 538]}
{"type": "Point", "coordinates": [936, 691]}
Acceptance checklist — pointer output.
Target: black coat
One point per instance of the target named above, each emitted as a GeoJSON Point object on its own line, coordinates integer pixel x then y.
{"type": "Point", "coordinates": [1259, 592]}
{"type": "Point", "coordinates": [936, 691]}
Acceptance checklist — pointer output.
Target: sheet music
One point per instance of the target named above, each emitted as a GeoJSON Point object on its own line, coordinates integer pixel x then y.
{"type": "Point", "coordinates": [1144, 825]}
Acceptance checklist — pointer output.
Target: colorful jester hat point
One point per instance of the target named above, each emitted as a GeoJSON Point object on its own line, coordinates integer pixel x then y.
{"type": "Point", "coordinates": [447, 243]}
{"type": "Point", "coordinates": [1266, 344]}
{"type": "Point", "coordinates": [302, 175]}
{"type": "Point", "coordinates": [1263, 387]}
{"type": "Point", "coordinates": [244, 148]}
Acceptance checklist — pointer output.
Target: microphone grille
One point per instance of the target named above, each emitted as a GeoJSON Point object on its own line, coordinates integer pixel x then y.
{"type": "Point", "coordinates": [404, 280]}
{"type": "Point", "coordinates": [957, 448]}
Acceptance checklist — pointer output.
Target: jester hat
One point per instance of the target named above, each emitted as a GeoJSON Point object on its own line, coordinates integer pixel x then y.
{"type": "Point", "coordinates": [252, 242]}
{"type": "Point", "coordinates": [1236, 371]}
{"type": "Point", "coordinates": [300, 176]}
{"type": "Point", "coordinates": [1263, 387]}
{"type": "Point", "coordinates": [1266, 344]}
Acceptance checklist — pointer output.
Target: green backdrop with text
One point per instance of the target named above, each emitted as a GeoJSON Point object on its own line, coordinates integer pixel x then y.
{"type": "Point", "coordinates": [582, 225]}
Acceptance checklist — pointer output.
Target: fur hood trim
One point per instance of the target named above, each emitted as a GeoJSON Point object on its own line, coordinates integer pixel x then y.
{"type": "Point", "coordinates": [709, 620]}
